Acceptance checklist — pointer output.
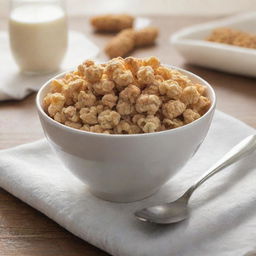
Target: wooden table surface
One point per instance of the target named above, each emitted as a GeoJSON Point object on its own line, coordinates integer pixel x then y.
{"type": "Point", "coordinates": [25, 231]}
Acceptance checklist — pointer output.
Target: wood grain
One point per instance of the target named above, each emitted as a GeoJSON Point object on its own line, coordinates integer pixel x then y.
{"type": "Point", "coordinates": [25, 231]}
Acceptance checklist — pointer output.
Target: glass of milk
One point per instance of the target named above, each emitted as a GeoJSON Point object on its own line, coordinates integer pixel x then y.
{"type": "Point", "coordinates": [38, 34]}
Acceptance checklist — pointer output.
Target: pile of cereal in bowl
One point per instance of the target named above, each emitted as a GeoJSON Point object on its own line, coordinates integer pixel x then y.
{"type": "Point", "coordinates": [125, 96]}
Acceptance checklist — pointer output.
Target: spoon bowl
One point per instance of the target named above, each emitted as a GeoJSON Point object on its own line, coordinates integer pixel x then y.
{"type": "Point", "coordinates": [166, 213]}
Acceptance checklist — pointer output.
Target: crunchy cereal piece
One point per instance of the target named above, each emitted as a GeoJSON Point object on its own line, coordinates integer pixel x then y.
{"type": "Point", "coordinates": [93, 73]}
{"type": "Point", "coordinates": [71, 90]}
{"type": "Point", "coordinates": [130, 93]}
{"type": "Point", "coordinates": [121, 44]}
{"type": "Point", "coordinates": [190, 95]}
{"type": "Point", "coordinates": [89, 115]}
{"type": "Point", "coordinates": [112, 22]}
{"type": "Point", "coordinates": [133, 64]}
{"type": "Point", "coordinates": [149, 124]}
{"type": "Point", "coordinates": [122, 77]}
{"type": "Point", "coordinates": [71, 114]}
{"type": "Point", "coordinates": [164, 98]}
{"type": "Point", "coordinates": [56, 85]}
{"type": "Point", "coordinates": [125, 127]}
{"type": "Point", "coordinates": [201, 89]}
{"type": "Point", "coordinates": [173, 108]}
{"type": "Point", "coordinates": [124, 107]}
{"type": "Point", "coordinates": [135, 129]}
{"type": "Point", "coordinates": [70, 77]}
{"type": "Point", "coordinates": [159, 79]}
{"type": "Point", "coordinates": [190, 116]}
{"type": "Point", "coordinates": [109, 100]}
{"type": "Point", "coordinates": [85, 127]}
{"type": "Point", "coordinates": [108, 119]}
{"type": "Point", "coordinates": [153, 62]}
{"type": "Point", "coordinates": [85, 99]}
{"type": "Point", "coordinates": [151, 89]}
{"type": "Point", "coordinates": [145, 75]}
{"type": "Point", "coordinates": [145, 36]}
{"type": "Point", "coordinates": [163, 72]}
{"type": "Point", "coordinates": [136, 118]}
{"type": "Point", "coordinates": [170, 124]}
{"type": "Point", "coordinates": [202, 105]}
{"type": "Point", "coordinates": [148, 104]}
{"type": "Point", "coordinates": [60, 117]}
{"type": "Point", "coordinates": [182, 80]}
{"type": "Point", "coordinates": [73, 124]}
{"type": "Point", "coordinates": [100, 108]}
{"type": "Point", "coordinates": [171, 89]}
{"type": "Point", "coordinates": [96, 128]}
{"type": "Point", "coordinates": [114, 64]}
{"type": "Point", "coordinates": [54, 103]}
{"type": "Point", "coordinates": [103, 87]}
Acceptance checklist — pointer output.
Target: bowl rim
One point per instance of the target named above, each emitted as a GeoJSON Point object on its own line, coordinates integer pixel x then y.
{"type": "Point", "coordinates": [77, 131]}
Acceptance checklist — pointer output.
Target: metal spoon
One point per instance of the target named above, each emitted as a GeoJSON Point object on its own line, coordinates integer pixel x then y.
{"type": "Point", "coordinates": [178, 210]}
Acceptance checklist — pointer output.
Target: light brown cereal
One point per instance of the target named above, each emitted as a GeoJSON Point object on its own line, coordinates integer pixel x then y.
{"type": "Point", "coordinates": [133, 64]}
{"type": "Point", "coordinates": [145, 36]}
{"type": "Point", "coordinates": [108, 119]}
{"type": "Point", "coordinates": [171, 89]}
{"type": "Point", "coordinates": [190, 116]}
{"type": "Point", "coordinates": [128, 96]}
{"type": "Point", "coordinates": [202, 105]}
{"type": "Point", "coordinates": [233, 37]}
{"type": "Point", "coordinates": [146, 75]}
{"type": "Point", "coordinates": [152, 61]}
{"type": "Point", "coordinates": [71, 114]}
{"type": "Point", "coordinates": [109, 100]}
{"type": "Point", "coordinates": [130, 93]}
{"type": "Point", "coordinates": [128, 39]}
{"type": "Point", "coordinates": [170, 124]}
{"type": "Point", "coordinates": [122, 77]}
{"type": "Point", "coordinates": [54, 102]}
{"type": "Point", "coordinates": [93, 73]}
{"type": "Point", "coordinates": [149, 124]}
{"type": "Point", "coordinates": [173, 108]}
{"type": "Point", "coordinates": [73, 124]}
{"type": "Point", "coordinates": [148, 104]}
{"type": "Point", "coordinates": [112, 22]}
{"type": "Point", "coordinates": [190, 95]}
{"type": "Point", "coordinates": [124, 108]}
{"type": "Point", "coordinates": [121, 44]}
{"type": "Point", "coordinates": [85, 99]}
{"type": "Point", "coordinates": [103, 87]}
{"type": "Point", "coordinates": [89, 115]}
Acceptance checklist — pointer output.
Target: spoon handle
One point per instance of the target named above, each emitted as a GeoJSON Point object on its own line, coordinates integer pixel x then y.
{"type": "Point", "coordinates": [242, 149]}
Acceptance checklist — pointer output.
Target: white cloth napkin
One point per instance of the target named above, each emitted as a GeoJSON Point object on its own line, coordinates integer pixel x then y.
{"type": "Point", "coordinates": [15, 85]}
{"type": "Point", "coordinates": [223, 210]}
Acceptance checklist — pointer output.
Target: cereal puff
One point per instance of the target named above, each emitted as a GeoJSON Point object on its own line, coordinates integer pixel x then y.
{"type": "Point", "coordinates": [112, 22]}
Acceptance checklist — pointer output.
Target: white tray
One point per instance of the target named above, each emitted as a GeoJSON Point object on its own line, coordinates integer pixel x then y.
{"type": "Point", "coordinates": [233, 59]}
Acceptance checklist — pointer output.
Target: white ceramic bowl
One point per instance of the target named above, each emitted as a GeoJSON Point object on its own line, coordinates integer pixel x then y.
{"type": "Point", "coordinates": [125, 168]}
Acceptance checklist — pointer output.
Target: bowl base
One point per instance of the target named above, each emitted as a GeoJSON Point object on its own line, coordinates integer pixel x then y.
{"type": "Point", "coordinates": [119, 198]}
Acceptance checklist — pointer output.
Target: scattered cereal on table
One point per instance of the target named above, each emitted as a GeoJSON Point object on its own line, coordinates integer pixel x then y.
{"type": "Point", "coordinates": [128, 39]}
{"type": "Point", "coordinates": [112, 22]}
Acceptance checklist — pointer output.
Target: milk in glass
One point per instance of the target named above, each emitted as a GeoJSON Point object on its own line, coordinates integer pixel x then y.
{"type": "Point", "coordinates": [38, 36]}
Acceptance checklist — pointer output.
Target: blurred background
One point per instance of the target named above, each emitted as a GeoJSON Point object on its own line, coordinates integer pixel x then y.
{"type": "Point", "coordinates": [192, 7]}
